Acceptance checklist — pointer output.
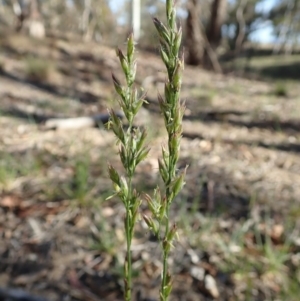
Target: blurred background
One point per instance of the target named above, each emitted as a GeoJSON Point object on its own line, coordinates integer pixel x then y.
{"type": "Point", "coordinates": [228, 27]}
{"type": "Point", "coordinates": [238, 215]}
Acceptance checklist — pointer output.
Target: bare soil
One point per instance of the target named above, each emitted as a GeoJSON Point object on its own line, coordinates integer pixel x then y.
{"type": "Point", "coordinates": [61, 240]}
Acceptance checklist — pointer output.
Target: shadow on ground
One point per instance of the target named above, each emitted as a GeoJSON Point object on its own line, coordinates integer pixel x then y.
{"type": "Point", "coordinates": [61, 91]}
{"type": "Point", "coordinates": [282, 71]}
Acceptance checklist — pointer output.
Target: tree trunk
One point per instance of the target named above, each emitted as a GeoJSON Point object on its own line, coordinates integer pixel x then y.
{"type": "Point", "coordinates": [194, 37]}
{"type": "Point", "coordinates": [218, 16]}
{"type": "Point", "coordinates": [36, 25]}
{"type": "Point", "coordinates": [241, 27]}
{"type": "Point", "coordinates": [21, 11]}
{"type": "Point", "coordinates": [28, 15]}
{"type": "Point", "coordinates": [135, 15]}
{"type": "Point", "coordinates": [285, 26]}
{"type": "Point", "coordinates": [85, 19]}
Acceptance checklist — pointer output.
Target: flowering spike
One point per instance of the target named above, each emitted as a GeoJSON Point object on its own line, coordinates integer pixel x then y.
{"type": "Point", "coordinates": [113, 174]}
{"type": "Point", "coordinates": [162, 30]}
{"type": "Point", "coordinates": [117, 85]}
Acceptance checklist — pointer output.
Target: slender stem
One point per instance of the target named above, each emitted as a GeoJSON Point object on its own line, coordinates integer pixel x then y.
{"type": "Point", "coordinates": [129, 226]}
{"type": "Point", "coordinates": [128, 263]}
{"type": "Point", "coordinates": [165, 252]}
{"type": "Point", "coordinates": [165, 257]}
{"type": "Point", "coordinates": [132, 151]}
{"type": "Point", "coordinates": [128, 282]}
{"type": "Point", "coordinates": [172, 120]}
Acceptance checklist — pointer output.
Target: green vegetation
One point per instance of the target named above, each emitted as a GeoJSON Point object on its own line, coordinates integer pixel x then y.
{"type": "Point", "coordinates": [133, 151]}
{"type": "Point", "coordinates": [280, 89]}
{"type": "Point", "coordinates": [37, 69]}
{"type": "Point", "coordinates": [241, 139]}
{"type": "Point", "coordinates": [14, 166]}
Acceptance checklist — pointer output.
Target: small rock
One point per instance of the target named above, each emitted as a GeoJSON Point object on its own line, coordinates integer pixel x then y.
{"type": "Point", "coordinates": [197, 272]}
{"type": "Point", "coordinates": [234, 248]}
{"type": "Point", "coordinates": [211, 286]}
{"type": "Point", "coordinates": [108, 211]}
{"type": "Point", "coordinates": [37, 29]}
{"type": "Point", "coordinates": [193, 255]}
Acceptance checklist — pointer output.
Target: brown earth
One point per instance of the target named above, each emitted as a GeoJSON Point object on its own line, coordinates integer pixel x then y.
{"type": "Point", "coordinates": [61, 240]}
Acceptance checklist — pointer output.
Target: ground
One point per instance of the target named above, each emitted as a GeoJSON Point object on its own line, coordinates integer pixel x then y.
{"type": "Point", "coordinates": [237, 215]}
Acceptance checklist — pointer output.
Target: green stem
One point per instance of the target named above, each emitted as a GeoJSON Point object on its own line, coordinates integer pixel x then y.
{"type": "Point", "coordinates": [131, 152]}
{"type": "Point", "coordinates": [165, 256]}
{"type": "Point", "coordinates": [128, 266]}
{"type": "Point", "coordinates": [128, 230]}
{"type": "Point", "coordinates": [165, 252]}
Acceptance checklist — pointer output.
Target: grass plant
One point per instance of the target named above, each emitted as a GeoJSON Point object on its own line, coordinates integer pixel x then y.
{"type": "Point", "coordinates": [280, 89]}
{"type": "Point", "coordinates": [37, 69]}
{"type": "Point", "coordinates": [132, 150]}
{"type": "Point", "coordinates": [13, 167]}
{"type": "Point", "coordinates": [81, 180]}
{"type": "Point", "coordinates": [172, 111]}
